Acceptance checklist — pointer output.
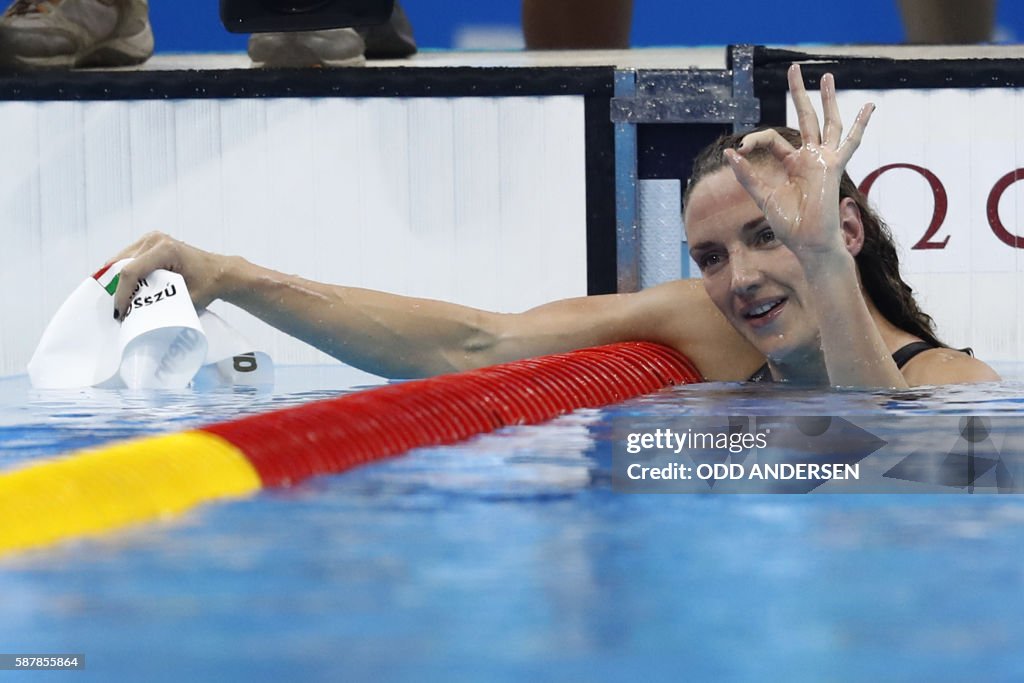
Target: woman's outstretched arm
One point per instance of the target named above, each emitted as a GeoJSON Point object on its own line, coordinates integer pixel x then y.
{"type": "Point", "coordinates": [400, 337]}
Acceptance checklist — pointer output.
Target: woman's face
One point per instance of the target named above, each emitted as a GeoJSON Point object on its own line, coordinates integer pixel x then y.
{"type": "Point", "coordinates": [754, 280]}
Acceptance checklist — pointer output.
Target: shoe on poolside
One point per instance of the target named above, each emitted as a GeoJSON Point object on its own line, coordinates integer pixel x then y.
{"type": "Point", "coordinates": [63, 34]}
{"type": "Point", "coordinates": [336, 47]}
{"type": "Point", "coordinates": [391, 40]}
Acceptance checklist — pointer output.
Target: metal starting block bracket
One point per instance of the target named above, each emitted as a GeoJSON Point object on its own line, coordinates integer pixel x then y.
{"type": "Point", "coordinates": [679, 96]}
{"type": "Point", "coordinates": [653, 96]}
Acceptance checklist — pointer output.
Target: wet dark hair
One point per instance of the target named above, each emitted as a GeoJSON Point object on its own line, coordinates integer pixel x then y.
{"type": "Point", "coordinates": [877, 262]}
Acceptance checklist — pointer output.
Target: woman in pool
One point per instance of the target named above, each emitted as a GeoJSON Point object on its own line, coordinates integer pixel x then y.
{"type": "Point", "coordinates": [800, 284]}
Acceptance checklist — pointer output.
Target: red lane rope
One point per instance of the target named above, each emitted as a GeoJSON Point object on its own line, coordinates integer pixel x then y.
{"type": "Point", "coordinates": [289, 445]}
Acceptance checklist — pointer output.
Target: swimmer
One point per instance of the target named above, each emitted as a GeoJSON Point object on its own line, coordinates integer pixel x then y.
{"type": "Point", "coordinates": [800, 284]}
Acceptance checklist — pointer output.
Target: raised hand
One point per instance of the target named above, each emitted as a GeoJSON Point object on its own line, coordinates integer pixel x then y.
{"type": "Point", "coordinates": [802, 202]}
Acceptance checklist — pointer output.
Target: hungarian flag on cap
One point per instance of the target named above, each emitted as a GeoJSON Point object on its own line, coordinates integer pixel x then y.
{"type": "Point", "coordinates": [107, 278]}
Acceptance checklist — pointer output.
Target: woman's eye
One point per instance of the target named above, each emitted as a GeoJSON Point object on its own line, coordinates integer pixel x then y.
{"type": "Point", "coordinates": [766, 236]}
{"type": "Point", "coordinates": [708, 260]}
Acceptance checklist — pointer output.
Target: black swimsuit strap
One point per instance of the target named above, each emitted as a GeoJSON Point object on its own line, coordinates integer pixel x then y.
{"type": "Point", "coordinates": [905, 353]}
{"type": "Point", "coordinates": [901, 357]}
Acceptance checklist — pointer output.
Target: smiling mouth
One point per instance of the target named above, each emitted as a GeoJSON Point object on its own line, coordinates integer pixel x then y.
{"type": "Point", "coordinates": [764, 310]}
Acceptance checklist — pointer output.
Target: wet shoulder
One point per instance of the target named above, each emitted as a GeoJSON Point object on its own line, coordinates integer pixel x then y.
{"type": "Point", "coordinates": [689, 321]}
{"type": "Point", "coordinates": [946, 366]}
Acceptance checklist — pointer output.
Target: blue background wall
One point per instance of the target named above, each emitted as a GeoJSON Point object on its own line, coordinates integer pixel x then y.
{"type": "Point", "coordinates": [193, 25]}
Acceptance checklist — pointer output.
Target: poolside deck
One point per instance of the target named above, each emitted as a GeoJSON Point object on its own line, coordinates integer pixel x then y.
{"type": "Point", "coordinates": [712, 57]}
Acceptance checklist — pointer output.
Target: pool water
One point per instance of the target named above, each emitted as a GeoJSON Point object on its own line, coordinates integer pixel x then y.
{"type": "Point", "coordinates": [510, 557]}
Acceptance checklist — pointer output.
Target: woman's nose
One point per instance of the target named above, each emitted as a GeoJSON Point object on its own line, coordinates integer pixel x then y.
{"type": "Point", "coordinates": [746, 274]}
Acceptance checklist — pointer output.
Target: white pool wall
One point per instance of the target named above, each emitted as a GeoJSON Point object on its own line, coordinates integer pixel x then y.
{"type": "Point", "coordinates": [480, 201]}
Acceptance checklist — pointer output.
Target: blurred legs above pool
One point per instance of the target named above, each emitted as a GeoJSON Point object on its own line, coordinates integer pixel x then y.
{"type": "Point", "coordinates": [577, 24]}
{"type": "Point", "coordinates": [948, 22]}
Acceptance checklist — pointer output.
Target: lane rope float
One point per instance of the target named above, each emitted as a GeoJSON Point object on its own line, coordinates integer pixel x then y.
{"type": "Point", "coordinates": [94, 491]}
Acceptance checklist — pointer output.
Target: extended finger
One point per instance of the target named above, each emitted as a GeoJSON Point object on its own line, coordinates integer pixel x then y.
{"type": "Point", "coordinates": [805, 114]}
{"type": "Point", "coordinates": [833, 130]}
{"type": "Point", "coordinates": [747, 175]}
{"type": "Point", "coordinates": [769, 139]}
{"type": "Point", "coordinates": [852, 141]}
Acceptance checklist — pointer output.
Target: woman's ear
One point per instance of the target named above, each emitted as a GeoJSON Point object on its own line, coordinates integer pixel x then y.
{"type": "Point", "coordinates": [851, 224]}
